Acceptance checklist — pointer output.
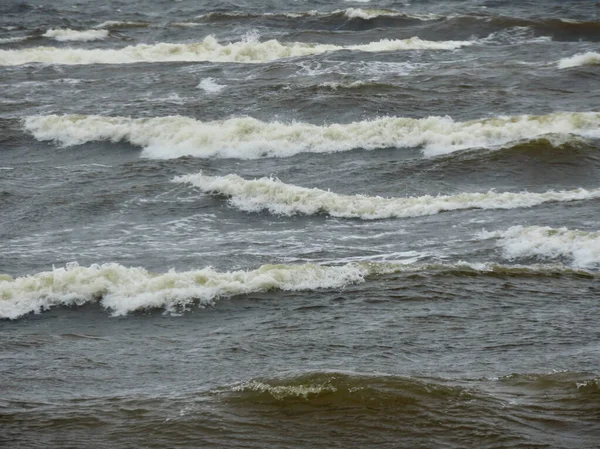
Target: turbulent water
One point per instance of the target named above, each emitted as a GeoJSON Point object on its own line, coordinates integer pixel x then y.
{"type": "Point", "coordinates": [367, 224]}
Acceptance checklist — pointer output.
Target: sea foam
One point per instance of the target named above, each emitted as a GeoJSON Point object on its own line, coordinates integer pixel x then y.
{"type": "Point", "coordinates": [287, 199]}
{"type": "Point", "coordinates": [544, 243]}
{"type": "Point", "coordinates": [589, 58]}
{"type": "Point", "coordinates": [245, 51]}
{"type": "Point", "coordinates": [248, 138]}
{"type": "Point", "coordinates": [123, 289]}
{"type": "Point", "coordinates": [64, 35]}
{"type": "Point", "coordinates": [209, 85]}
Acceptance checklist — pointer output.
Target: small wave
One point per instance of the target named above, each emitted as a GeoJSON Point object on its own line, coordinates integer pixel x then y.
{"type": "Point", "coordinates": [121, 24]}
{"type": "Point", "coordinates": [345, 14]}
{"type": "Point", "coordinates": [589, 58]}
{"type": "Point", "coordinates": [369, 14]}
{"type": "Point", "coordinates": [11, 40]}
{"type": "Point", "coordinates": [546, 243]}
{"type": "Point", "coordinates": [245, 51]}
{"type": "Point", "coordinates": [555, 28]}
{"type": "Point", "coordinates": [338, 388]}
{"type": "Point", "coordinates": [209, 85]}
{"type": "Point", "coordinates": [248, 138]}
{"type": "Point", "coordinates": [123, 289]}
{"type": "Point", "coordinates": [565, 381]}
{"type": "Point", "coordinates": [286, 199]}
{"type": "Point", "coordinates": [359, 84]}
{"type": "Point", "coordinates": [64, 35]}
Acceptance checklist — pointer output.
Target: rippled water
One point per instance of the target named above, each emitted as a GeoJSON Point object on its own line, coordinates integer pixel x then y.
{"type": "Point", "coordinates": [283, 224]}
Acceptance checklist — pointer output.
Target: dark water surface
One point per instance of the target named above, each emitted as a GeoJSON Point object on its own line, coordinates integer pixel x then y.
{"type": "Point", "coordinates": [299, 224]}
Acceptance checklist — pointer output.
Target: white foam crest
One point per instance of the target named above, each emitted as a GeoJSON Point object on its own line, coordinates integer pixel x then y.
{"type": "Point", "coordinates": [589, 58]}
{"type": "Point", "coordinates": [367, 14]}
{"type": "Point", "coordinates": [10, 40]}
{"type": "Point", "coordinates": [244, 51]}
{"type": "Point", "coordinates": [67, 34]}
{"type": "Point", "coordinates": [123, 290]}
{"type": "Point", "coordinates": [543, 242]}
{"type": "Point", "coordinates": [210, 86]}
{"type": "Point", "coordinates": [281, 392]}
{"type": "Point", "coordinates": [287, 199]}
{"type": "Point", "coordinates": [120, 23]}
{"type": "Point", "coordinates": [248, 138]}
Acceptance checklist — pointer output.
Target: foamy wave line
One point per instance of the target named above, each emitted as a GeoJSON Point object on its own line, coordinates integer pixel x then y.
{"type": "Point", "coordinates": [123, 290]}
{"type": "Point", "coordinates": [209, 85]}
{"type": "Point", "coordinates": [67, 34]}
{"type": "Point", "coordinates": [245, 51]}
{"type": "Point", "coordinates": [10, 40]}
{"type": "Point", "coordinates": [287, 199]}
{"type": "Point", "coordinates": [369, 14]}
{"type": "Point", "coordinates": [121, 24]}
{"type": "Point", "coordinates": [248, 138]}
{"type": "Point", "coordinates": [544, 243]}
{"type": "Point", "coordinates": [280, 392]}
{"type": "Point", "coordinates": [589, 58]}
{"type": "Point", "coordinates": [349, 13]}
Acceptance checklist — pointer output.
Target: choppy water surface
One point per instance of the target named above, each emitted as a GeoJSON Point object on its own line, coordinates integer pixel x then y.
{"type": "Point", "coordinates": [299, 224]}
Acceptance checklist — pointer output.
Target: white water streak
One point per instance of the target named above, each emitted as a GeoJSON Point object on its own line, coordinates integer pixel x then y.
{"type": "Point", "coordinates": [287, 199]}
{"type": "Point", "coordinates": [64, 35]}
{"type": "Point", "coordinates": [248, 138]}
{"type": "Point", "coordinates": [546, 243]}
{"type": "Point", "coordinates": [589, 58]}
{"type": "Point", "coordinates": [245, 51]}
{"type": "Point", "coordinates": [123, 289]}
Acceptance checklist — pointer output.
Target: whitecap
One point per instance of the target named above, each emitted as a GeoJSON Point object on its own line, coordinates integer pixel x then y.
{"type": "Point", "coordinates": [287, 199]}
{"type": "Point", "coordinates": [248, 138]}
{"type": "Point", "coordinates": [64, 35]}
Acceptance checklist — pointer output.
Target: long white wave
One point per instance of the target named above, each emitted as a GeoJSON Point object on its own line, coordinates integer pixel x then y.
{"type": "Point", "coordinates": [10, 40]}
{"type": "Point", "coordinates": [66, 34]}
{"type": "Point", "coordinates": [248, 138]}
{"type": "Point", "coordinates": [123, 289]}
{"type": "Point", "coordinates": [589, 58]}
{"type": "Point", "coordinates": [546, 243]}
{"type": "Point", "coordinates": [287, 199]}
{"type": "Point", "coordinates": [245, 51]}
{"type": "Point", "coordinates": [349, 13]}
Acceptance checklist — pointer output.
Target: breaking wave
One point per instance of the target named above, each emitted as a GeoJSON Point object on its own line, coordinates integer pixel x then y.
{"type": "Point", "coordinates": [248, 138]}
{"type": "Point", "coordinates": [546, 243]}
{"type": "Point", "coordinates": [123, 289]}
{"type": "Point", "coordinates": [122, 24]}
{"type": "Point", "coordinates": [589, 58]}
{"type": "Point", "coordinates": [210, 86]}
{"type": "Point", "coordinates": [11, 40]}
{"type": "Point", "coordinates": [338, 388]}
{"type": "Point", "coordinates": [287, 199]}
{"type": "Point", "coordinates": [64, 35]}
{"type": "Point", "coordinates": [344, 14]}
{"type": "Point", "coordinates": [245, 51]}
